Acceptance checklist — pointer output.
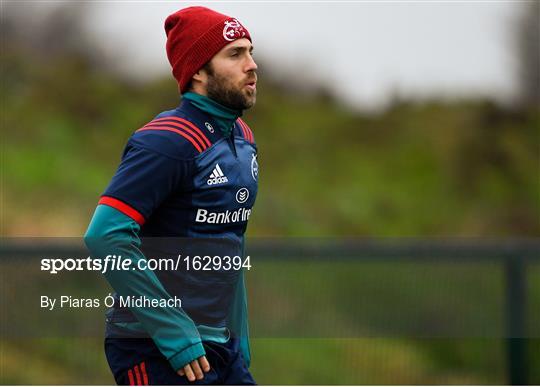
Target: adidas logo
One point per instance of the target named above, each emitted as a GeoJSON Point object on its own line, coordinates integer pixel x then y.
{"type": "Point", "coordinates": [217, 176]}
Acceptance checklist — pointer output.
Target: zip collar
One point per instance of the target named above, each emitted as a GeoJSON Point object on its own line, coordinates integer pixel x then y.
{"type": "Point", "coordinates": [223, 116]}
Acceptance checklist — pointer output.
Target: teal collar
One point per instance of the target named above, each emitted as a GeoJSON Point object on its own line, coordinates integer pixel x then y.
{"type": "Point", "coordinates": [223, 116]}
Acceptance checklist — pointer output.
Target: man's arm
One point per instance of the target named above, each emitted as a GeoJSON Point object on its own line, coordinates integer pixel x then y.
{"type": "Point", "coordinates": [143, 180]}
{"type": "Point", "coordinates": [175, 334]}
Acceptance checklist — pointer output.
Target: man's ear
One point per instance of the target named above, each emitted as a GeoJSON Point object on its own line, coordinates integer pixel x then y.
{"type": "Point", "coordinates": [200, 76]}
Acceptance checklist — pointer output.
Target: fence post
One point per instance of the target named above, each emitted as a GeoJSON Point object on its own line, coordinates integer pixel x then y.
{"type": "Point", "coordinates": [516, 335]}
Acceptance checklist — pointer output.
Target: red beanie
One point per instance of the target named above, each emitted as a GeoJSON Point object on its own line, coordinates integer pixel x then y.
{"type": "Point", "coordinates": [194, 36]}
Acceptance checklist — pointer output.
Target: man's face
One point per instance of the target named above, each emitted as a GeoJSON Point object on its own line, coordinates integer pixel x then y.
{"type": "Point", "coordinates": [230, 76]}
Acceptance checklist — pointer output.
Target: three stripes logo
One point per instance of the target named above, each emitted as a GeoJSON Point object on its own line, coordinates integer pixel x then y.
{"type": "Point", "coordinates": [181, 127]}
{"type": "Point", "coordinates": [217, 176]}
{"type": "Point", "coordinates": [138, 376]}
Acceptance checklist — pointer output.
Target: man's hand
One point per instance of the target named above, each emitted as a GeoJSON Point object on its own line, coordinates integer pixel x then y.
{"type": "Point", "coordinates": [194, 370]}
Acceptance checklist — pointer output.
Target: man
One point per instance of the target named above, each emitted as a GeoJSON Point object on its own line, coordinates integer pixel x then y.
{"type": "Point", "coordinates": [189, 175]}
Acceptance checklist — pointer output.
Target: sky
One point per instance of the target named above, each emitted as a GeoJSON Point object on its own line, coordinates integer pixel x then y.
{"type": "Point", "coordinates": [365, 52]}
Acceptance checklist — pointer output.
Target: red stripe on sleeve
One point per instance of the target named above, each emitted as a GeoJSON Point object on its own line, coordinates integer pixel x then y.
{"type": "Point", "coordinates": [123, 208]}
{"type": "Point", "coordinates": [192, 126]}
{"type": "Point", "coordinates": [130, 376]}
{"type": "Point", "coordinates": [189, 124]}
{"type": "Point", "coordinates": [183, 134]}
{"type": "Point", "coordinates": [144, 375]}
{"type": "Point", "coordinates": [137, 375]}
{"type": "Point", "coordinates": [243, 129]}
{"type": "Point", "coordinates": [246, 135]}
{"type": "Point", "coordinates": [247, 131]}
{"type": "Point", "coordinates": [181, 127]}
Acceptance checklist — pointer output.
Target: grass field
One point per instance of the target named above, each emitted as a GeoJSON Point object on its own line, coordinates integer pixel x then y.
{"type": "Point", "coordinates": [285, 361]}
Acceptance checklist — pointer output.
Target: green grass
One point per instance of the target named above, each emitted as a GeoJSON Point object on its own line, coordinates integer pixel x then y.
{"type": "Point", "coordinates": [277, 361]}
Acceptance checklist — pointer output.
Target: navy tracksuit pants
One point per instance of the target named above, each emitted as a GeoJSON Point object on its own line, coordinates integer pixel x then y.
{"type": "Point", "coordinates": [137, 361]}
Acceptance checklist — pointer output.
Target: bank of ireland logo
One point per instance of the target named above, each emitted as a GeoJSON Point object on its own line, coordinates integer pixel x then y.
{"type": "Point", "coordinates": [254, 166]}
{"type": "Point", "coordinates": [233, 30]}
{"type": "Point", "coordinates": [242, 195]}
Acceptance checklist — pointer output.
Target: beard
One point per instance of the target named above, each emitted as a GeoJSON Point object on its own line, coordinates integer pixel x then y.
{"type": "Point", "coordinates": [224, 92]}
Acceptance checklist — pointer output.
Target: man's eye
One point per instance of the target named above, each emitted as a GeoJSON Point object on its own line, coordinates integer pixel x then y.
{"type": "Point", "coordinates": [234, 54]}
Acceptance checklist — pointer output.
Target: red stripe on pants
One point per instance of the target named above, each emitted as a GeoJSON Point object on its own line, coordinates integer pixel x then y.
{"type": "Point", "coordinates": [137, 375]}
{"type": "Point", "coordinates": [144, 375]}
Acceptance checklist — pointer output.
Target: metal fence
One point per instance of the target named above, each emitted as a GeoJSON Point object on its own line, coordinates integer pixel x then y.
{"type": "Point", "coordinates": [514, 255]}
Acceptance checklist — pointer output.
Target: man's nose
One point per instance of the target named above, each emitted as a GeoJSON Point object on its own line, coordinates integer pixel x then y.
{"type": "Point", "coordinates": [251, 65]}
